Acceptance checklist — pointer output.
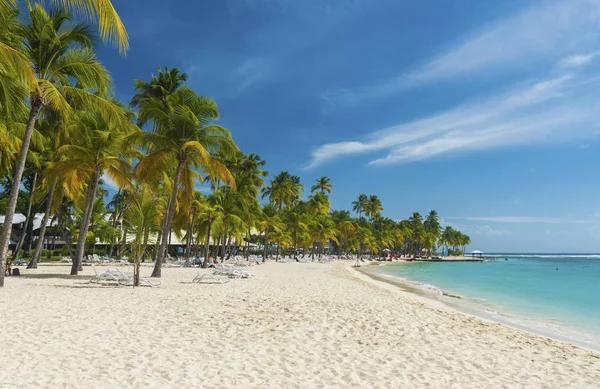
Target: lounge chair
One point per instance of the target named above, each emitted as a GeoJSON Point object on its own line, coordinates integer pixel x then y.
{"type": "Point", "coordinates": [200, 278]}
{"type": "Point", "coordinates": [231, 271]}
{"type": "Point", "coordinates": [116, 275]}
{"type": "Point", "coordinates": [151, 283]}
{"type": "Point", "coordinates": [111, 274]}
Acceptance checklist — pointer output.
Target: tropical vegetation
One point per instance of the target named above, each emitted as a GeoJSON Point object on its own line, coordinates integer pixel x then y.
{"type": "Point", "coordinates": [172, 170]}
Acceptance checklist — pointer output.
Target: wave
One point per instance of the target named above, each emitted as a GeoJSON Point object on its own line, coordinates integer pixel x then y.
{"type": "Point", "coordinates": [428, 287]}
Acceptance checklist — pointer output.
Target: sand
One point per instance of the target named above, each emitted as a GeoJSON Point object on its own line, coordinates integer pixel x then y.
{"type": "Point", "coordinates": [293, 326]}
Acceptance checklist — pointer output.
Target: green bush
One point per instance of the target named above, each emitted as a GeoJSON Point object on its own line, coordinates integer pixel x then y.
{"type": "Point", "coordinates": [50, 259]}
{"type": "Point", "coordinates": [61, 251]}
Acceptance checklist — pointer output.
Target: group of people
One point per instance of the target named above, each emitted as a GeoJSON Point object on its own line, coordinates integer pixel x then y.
{"type": "Point", "coordinates": [211, 261]}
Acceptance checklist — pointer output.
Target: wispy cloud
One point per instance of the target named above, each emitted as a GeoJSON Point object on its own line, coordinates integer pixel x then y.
{"type": "Point", "coordinates": [523, 219]}
{"type": "Point", "coordinates": [563, 107]}
{"type": "Point", "coordinates": [548, 30]}
{"type": "Point", "coordinates": [250, 72]}
{"type": "Point", "coordinates": [487, 230]}
{"type": "Point", "coordinates": [578, 60]}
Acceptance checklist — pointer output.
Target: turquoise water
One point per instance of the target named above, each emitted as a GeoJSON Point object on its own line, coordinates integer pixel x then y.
{"type": "Point", "coordinates": [557, 295]}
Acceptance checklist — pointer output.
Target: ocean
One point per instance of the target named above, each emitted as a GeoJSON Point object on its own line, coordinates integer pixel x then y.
{"type": "Point", "coordinates": [555, 295]}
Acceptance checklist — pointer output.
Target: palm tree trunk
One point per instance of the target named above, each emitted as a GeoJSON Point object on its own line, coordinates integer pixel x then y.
{"type": "Point", "coordinates": [123, 242]}
{"type": "Point", "coordinates": [198, 246]}
{"type": "Point", "coordinates": [188, 248]}
{"type": "Point", "coordinates": [61, 230]}
{"type": "Point", "coordinates": [218, 246]}
{"type": "Point", "coordinates": [205, 263]}
{"type": "Point", "coordinates": [145, 246]}
{"type": "Point", "coordinates": [248, 245]}
{"type": "Point", "coordinates": [85, 222]}
{"type": "Point", "coordinates": [40, 242]}
{"type": "Point", "coordinates": [166, 231]}
{"type": "Point", "coordinates": [266, 241]}
{"type": "Point", "coordinates": [295, 244]}
{"type": "Point", "coordinates": [229, 248]}
{"type": "Point", "coordinates": [54, 232]}
{"type": "Point", "coordinates": [114, 225]}
{"type": "Point", "coordinates": [28, 221]}
{"type": "Point", "coordinates": [137, 264]}
{"type": "Point", "coordinates": [157, 244]}
{"type": "Point", "coordinates": [36, 104]}
{"type": "Point", "coordinates": [223, 246]}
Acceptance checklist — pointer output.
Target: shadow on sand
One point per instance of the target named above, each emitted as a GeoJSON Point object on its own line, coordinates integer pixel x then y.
{"type": "Point", "coordinates": [53, 275]}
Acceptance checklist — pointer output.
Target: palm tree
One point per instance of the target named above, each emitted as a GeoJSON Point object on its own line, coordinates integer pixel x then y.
{"type": "Point", "coordinates": [416, 220]}
{"type": "Point", "coordinates": [318, 204]}
{"type": "Point", "coordinates": [285, 189]}
{"type": "Point", "coordinates": [360, 204]}
{"type": "Point", "coordinates": [117, 204]}
{"type": "Point", "coordinates": [109, 23]}
{"type": "Point", "coordinates": [465, 241]}
{"type": "Point", "coordinates": [61, 52]}
{"type": "Point", "coordinates": [101, 148]}
{"type": "Point", "coordinates": [345, 227]}
{"type": "Point", "coordinates": [270, 222]}
{"type": "Point", "coordinates": [373, 207]}
{"type": "Point", "coordinates": [322, 229]}
{"type": "Point", "coordinates": [159, 88]}
{"type": "Point", "coordinates": [185, 139]}
{"type": "Point", "coordinates": [295, 218]}
{"type": "Point", "coordinates": [432, 223]}
{"type": "Point", "coordinates": [143, 217]}
{"type": "Point", "coordinates": [16, 77]}
{"type": "Point", "coordinates": [323, 184]}
{"type": "Point", "coordinates": [197, 205]}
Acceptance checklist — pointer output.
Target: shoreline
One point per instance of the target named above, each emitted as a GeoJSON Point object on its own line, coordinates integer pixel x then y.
{"type": "Point", "coordinates": [456, 303]}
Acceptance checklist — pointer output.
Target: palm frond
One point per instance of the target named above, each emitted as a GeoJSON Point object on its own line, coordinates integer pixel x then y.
{"type": "Point", "coordinates": [102, 11]}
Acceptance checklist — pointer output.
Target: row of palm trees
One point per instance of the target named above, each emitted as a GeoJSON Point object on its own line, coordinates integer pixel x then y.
{"type": "Point", "coordinates": [49, 73]}
{"type": "Point", "coordinates": [63, 134]}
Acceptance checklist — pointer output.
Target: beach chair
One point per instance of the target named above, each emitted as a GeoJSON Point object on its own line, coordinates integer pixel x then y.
{"type": "Point", "coordinates": [111, 274]}
{"type": "Point", "coordinates": [210, 278]}
{"type": "Point", "coordinates": [151, 283]}
{"type": "Point", "coordinates": [231, 271]}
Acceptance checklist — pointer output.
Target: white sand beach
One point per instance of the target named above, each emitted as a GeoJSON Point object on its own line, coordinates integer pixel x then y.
{"type": "Point", "coordinates": [293, 326]}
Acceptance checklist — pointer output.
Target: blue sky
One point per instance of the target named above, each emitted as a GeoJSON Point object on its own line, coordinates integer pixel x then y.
{"type": "Point", "coordinates": [488, 112]}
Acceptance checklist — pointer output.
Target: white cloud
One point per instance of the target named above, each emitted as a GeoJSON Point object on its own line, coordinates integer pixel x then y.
{"type": "Point", "coordinates": [564, 107]}
{"type": "Point", "coordinates": [548, 30]}
{"type": "Point", "coordinates": [517, 201]}
{"type": "Point", "coordinates": [578, 60]}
